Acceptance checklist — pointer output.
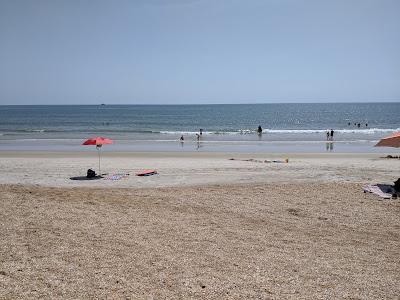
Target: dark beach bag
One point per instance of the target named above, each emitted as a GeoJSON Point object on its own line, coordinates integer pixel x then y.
{"type": "Point", "coordinates": [90, 173]}
{"type": "Point", "coordinates": [397, 185]}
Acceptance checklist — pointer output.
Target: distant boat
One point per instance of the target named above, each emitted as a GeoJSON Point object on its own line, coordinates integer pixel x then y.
{"type": "Point", "coordinates": [102, 104]}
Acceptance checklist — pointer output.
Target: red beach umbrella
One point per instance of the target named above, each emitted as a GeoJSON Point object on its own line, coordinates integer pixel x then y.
{"type": "Point", "coordinates": [98, 142]}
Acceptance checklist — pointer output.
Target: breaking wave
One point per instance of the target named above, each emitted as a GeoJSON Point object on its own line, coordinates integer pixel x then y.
{"type": "Point", "coordinates": [368, 131]}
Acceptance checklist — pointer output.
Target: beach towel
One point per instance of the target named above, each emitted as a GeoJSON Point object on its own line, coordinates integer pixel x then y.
{"type": "Point", "coordinates": [384, 191]}
{"type": "Point", "coordinates": [116, 176]}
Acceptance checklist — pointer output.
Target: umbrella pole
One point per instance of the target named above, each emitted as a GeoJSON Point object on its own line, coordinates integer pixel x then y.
{"type": "Point", "coordinates": [99, 160]}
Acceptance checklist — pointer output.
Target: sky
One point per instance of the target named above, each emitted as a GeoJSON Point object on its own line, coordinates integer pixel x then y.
{"type": "Point", "coordinates": [199, 51]}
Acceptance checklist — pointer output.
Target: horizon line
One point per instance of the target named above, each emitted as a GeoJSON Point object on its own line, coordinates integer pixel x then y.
{"type": "Point", "coordinates": [178, 104]}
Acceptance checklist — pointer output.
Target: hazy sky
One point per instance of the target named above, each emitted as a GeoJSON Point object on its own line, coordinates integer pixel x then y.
{"type": "Point", "coordinates": [204, 51]}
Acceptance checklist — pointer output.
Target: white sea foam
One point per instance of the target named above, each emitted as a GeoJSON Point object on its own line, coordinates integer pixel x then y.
{"type": "Point", "coordinates": [34, 130]}
{"type": "Point", "coordinates": [345, 131]}
{"type": "Point", "coordinates": [366, 131]}
{"type": "Point", "coordinates": [186, 132]}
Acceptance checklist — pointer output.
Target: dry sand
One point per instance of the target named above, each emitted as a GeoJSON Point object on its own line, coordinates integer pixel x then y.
{"type": "Point", "coordinates": [248, 235]}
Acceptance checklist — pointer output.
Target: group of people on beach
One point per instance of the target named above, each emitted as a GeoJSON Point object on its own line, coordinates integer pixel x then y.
{"type": "Point", "coordinates": [358, 124]}
{"type": "Point", "coordinates": [329, 135]}
{"type": "Point", "coordinates": [198, 136]}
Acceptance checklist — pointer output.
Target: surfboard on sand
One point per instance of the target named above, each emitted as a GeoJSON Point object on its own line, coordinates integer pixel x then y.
{"type": "Point", "coordinates": [146, 173]}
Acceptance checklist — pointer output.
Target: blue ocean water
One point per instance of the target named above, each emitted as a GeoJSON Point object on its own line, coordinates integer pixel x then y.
{"type": "Point", "coordinates": [223, 125]}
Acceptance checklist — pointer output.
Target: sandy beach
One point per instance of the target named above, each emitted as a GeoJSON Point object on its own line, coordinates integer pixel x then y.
{"type": "Point", "coordinates": [248, 150]}
{"type": "Point", "coordinates": [205, 227]}
{"type": "Point", "coordinates": [177, 169]}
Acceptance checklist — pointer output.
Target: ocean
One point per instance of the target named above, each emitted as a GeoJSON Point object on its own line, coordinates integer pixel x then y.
{"type": "Point", "coordinates": [232, 128]}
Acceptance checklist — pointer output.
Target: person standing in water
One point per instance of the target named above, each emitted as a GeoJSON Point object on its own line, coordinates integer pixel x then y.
{"type": "Point", "coordinates": [201, 131]}
{"type": "Point", "coordinates": [259, 130]}
{"type": "Point", "coordinates": [332, 132]}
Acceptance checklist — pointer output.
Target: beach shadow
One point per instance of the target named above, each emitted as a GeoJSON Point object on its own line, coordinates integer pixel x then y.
{"type": "Point", "coordinates": [85, 178]}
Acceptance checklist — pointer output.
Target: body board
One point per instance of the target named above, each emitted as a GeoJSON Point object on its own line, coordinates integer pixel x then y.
{"type": "Point", "coordinates": [146, 173]}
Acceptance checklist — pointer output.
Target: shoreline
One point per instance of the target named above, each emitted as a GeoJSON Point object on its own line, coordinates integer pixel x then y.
{"type": "Point", "coordinates": [201, 146]}
{"type": "Point", "coordinates": [92, 151]}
